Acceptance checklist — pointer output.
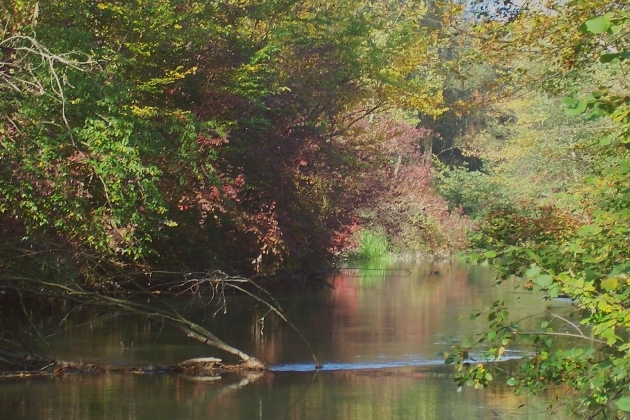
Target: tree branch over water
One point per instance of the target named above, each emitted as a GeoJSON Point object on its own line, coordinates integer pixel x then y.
{"type": "Point", "coordinates": [27, 275]}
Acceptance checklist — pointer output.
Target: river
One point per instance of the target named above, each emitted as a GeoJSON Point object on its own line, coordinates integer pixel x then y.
{"type": "Point", "coordinates": [379, 330]}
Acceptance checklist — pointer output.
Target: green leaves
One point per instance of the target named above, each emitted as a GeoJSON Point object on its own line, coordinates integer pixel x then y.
{"type": "Point", "coordinates": [610, 57]}
{"type": "Point", "coordinates": [588, 260]}
{"type": "Point", "coordinates": [590, 230]}
{"type": "Point", "coordinates": [596, 25]}
{"type": "Point", "coordinates": [574, 106]}
{"type": "Point", "coordinates": [513, 382]}
{"type": "Point", "coordinates": [592, 102]}
{"type": "Point", "coordinates": [611, 22]}
{"type": "Point", "coordinates": [533, 272]}
{"type": "Point", "coordinates": [544, 280]}
{"type": "Point", "coordinates": [623, 404]}
{"type": "Point", "coordinates": [606, 141]}
{"type": "Point", "coordinates": [609, 284]}
{"type": "Point", "coordinates": [490, 254]}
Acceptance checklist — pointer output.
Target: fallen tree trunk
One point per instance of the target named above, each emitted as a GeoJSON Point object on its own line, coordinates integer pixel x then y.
{"type": "Point", "coordinates": [166, 314]}
{"type": "Point", "coordinates": [202, 335]}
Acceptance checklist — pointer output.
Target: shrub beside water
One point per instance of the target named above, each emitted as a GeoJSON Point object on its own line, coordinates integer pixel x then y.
{"type": "Point", "coordinates": [373, 244]}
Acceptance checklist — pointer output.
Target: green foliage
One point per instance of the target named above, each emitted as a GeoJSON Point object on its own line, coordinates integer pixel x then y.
{"type": "Point", "coordinates": [83, 134]}
{"type": "Point", "coordinates": [475, 192]}
{"type": "Point", "coordinates": [527, 149]}
{"type": "Point", "coordinates": [391, 185]}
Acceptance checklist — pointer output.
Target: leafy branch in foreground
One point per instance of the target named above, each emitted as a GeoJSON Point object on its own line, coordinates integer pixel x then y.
{"type": "Point", "coordinates": [577, 248]}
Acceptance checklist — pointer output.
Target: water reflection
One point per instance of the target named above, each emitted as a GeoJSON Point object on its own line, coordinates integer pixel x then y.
{"type": "Point", "coordinates": [378, 330]}
{"type": "Point", "coordinates": [379, 316]}
{"type": "Point", "coordinates": [375, 395]}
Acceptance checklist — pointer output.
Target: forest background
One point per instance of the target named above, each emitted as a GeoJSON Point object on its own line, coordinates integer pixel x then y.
{"type": "Point", "coordinates": [266, 138]}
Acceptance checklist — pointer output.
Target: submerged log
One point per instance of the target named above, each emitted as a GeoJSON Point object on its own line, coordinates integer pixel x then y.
{"type": "Point", "coordinates": [200, 367]}
{"type": "Point", "coordinates": [203, 367]}
{"type": "Point", "coordinates": [213, 365]}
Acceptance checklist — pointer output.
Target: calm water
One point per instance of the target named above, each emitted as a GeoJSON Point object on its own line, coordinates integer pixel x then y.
{"type": "Point", "coordinates": [379, 331]}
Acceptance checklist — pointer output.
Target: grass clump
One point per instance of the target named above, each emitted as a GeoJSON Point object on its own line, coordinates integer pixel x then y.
{"type": "Point", "coordinates": [373, 244]}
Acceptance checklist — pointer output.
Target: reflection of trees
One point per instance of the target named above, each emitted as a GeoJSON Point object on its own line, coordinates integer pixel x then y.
{"type": "Point", "coordinates": [384, 395]}
{"type": "Point", "coordinates": [405, 314]}
{"type": "Point", "coordinates": [380, 310]}
{"type": "Point", "coordinates": [401, 394]}
{"type": "Point", "coordinates": [394, 315]}
{"type": "Point", "coordinates": [28, 280]}
{"type": "Point", "coordinates": [121, 396]}
{"type": "Point", "coordinates": [391, 314]}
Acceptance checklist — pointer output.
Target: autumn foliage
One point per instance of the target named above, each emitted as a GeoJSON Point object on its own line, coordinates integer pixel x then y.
{"type": "Point", "coordinates": [249, 137]}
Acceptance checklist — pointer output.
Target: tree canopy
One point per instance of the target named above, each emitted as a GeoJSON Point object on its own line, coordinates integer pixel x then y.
{"type": "Point", "coordinates": [135, 129]}
{"type": "Point", "coordinates": [186, 137]}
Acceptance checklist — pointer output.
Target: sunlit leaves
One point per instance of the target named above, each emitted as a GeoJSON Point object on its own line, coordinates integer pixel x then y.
{"type": "Point", "coordinates": [588, 230]}
{"type": "Point", "coordinates": [588, 260]}
{"type": "Point", "coordinates": [103, 138]}
{"type": "Point", "coordinates": [573, 106]}
{"type": "Point", "coordinates": [609, 284]}
{"type": "Point", "coordinates": [623, 404]}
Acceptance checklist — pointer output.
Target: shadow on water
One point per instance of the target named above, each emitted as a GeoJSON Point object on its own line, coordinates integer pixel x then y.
{"type": "Point", "coordinates": [379, 332]}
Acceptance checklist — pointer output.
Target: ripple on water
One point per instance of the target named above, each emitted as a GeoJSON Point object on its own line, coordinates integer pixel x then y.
{"type": "Point", "coordinates": [411, 362]}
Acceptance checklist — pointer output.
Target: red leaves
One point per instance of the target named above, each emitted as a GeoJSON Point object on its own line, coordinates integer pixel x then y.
{"type": "Point", "coordinates": [77, 157]}
{"type": "Point", "coordinates": [211, 142]}
{"type": "Point", "coordinates": [342, 240]}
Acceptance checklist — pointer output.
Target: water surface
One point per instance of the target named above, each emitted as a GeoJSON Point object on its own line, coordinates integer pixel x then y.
{"type": "Point", "coordinates": [379, 330]}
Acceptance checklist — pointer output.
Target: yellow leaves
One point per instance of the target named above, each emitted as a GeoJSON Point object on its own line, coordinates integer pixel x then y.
{"type": "Point", "coordinates": [144, 112]}
{"type": "Point", "coordinates": [169, 78]}
{"type": "Point", "coordinates": [149, 112]}
{"type": "Point", "coordinates": [429, 102]}
{"type": "Point", "coordinates": [452, 10]}
{"type": "Point", "coordinates": [410, 83]}
{"type": "Point", "coordinates": [113, 7]}
{"type": "Point", "coordinates": [610, 283]}
{"type": "Point", "coordinates": [621, 114]}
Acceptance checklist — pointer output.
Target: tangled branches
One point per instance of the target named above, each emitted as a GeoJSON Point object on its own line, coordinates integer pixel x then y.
{"type": "Point", "coordinates": [27, 67]}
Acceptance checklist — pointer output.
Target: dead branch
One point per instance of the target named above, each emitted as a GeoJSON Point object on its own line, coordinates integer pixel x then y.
{"type": "Point", "coordinates": [25, 64]}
